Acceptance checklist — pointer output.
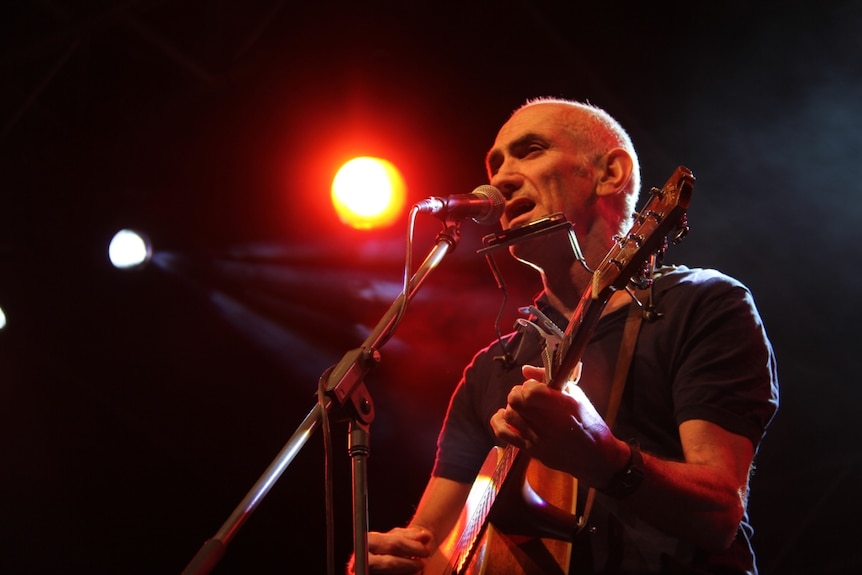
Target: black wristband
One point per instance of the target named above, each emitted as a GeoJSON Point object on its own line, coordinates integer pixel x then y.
{"type": "Point", "coordinates": [629, 478]}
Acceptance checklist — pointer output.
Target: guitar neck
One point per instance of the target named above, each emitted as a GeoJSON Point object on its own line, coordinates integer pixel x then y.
{"type": "Point", "coordinates": [578, 334]}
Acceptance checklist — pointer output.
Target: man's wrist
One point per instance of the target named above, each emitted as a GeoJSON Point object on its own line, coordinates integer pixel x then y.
{"type": "Point", "coordinates": [628, 479]}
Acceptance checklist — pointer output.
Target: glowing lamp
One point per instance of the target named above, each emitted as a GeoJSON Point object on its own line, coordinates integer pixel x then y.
{"type": "Point", "coordinates": [368, 193]}
{"type": "Point", "coordinates": [129, 249]}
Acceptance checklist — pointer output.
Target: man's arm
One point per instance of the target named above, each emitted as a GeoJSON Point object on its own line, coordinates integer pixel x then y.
{"type": "Point", "coordinates": [440, 506]}
{"type": "Point", "coordinates": [700, 499]}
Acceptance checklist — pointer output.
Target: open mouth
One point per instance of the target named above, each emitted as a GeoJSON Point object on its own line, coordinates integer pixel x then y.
{"type": "Point", "coordinates": [519, 207]}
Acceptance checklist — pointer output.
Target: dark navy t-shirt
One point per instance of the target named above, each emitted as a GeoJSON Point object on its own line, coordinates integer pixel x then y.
{"type": "Point", "coordinates": [707, 357]}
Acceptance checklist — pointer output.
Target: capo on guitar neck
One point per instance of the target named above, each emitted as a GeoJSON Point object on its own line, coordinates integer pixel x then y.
{"type": "Point", "coordinates": [554, 223]}
{"type": "Point", "coordinates": [547, 323]}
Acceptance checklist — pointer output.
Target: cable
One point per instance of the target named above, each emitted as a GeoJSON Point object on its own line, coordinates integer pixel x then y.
{"type": "Point", "coordinates": [327, 471]}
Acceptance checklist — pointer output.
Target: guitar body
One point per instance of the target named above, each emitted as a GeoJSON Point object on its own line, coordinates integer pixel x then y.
{"type": "Point", "coordinates": [516, 554]}
{"type": "Point", "coordinates": [518, 538]}
{"type": "Point", "coordinates": [529, 530]}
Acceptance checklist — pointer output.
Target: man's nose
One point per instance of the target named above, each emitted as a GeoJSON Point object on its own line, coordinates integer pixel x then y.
{"type": "Point", "coordinates": [507, 180]}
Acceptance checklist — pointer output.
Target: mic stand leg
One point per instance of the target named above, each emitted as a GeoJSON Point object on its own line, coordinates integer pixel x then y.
{"type": "Point", "coordinates": [358, 448]}
{"type": "Point", "coordinates": [214, 549]}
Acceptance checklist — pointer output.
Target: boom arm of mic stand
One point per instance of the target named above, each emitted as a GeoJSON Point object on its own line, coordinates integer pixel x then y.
{"type": "Point", "coordinates": [346, 388]}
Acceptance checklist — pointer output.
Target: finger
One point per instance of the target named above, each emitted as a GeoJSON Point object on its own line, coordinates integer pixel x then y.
{"type": "Point", "coordinates": [533, 396]}
{"type": "Point", "coordinates": [417, 533]}
{"type": "Point", "coordinates": [401, 550]}
{"type": "Point", "coordinates": [527, 393]}
{"type": "Point", "coordinates": [393, 565]}
{"type": "Point", "coordinates": [533, 372]}
{"type": "Point", "coordinates": [389, 565]}
{"type": "Point", "coordinates": [504, 431]}
{"type": "Point", "coordinates": [400, 542]}
{"type": "Point", "coordinates": [537, 410]}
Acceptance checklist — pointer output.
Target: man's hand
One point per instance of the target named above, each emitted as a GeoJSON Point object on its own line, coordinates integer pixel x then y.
{"type": "Point", "coordinates": [402, 550]}
{"type": "Point", "coordinates": [563, 430]}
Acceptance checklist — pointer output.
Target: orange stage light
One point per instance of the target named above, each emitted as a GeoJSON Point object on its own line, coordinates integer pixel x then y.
{"type": "Point", "coordinates": [368, 193]}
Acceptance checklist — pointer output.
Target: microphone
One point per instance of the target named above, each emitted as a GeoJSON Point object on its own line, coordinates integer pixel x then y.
{"type": "Point", "coordinates": [485, 205]}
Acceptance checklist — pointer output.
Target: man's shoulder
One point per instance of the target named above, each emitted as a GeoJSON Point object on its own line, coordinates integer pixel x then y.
{"type": "Point", "coordinates": [669, 277]}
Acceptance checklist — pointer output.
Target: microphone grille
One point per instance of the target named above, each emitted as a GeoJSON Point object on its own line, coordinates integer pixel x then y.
{"type": "Point", "coordinates": [498, 204]}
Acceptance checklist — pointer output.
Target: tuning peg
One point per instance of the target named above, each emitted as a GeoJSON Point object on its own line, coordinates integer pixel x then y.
{"type": "Point", "coordinates": [681, 230]}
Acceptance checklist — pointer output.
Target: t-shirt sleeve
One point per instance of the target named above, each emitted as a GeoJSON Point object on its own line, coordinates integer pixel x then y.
{"type": "Point", "coordinates": [727, 371]}
{"type": "Point", "coordinates": [465, 438]}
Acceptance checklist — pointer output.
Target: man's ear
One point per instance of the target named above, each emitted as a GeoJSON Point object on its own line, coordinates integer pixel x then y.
{"type": "Point", "coordinates": [614, 172]}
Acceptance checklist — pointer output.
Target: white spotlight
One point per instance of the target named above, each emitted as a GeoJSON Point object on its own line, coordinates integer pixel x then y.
{"type": "Point", "coordinates": [2, 319]}
{"type": "Point", "coordinates": [129, 249]}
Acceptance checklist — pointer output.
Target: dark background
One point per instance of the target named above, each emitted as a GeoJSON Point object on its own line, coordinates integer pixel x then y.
{"type": "Point", "coordinates": [138, 408]}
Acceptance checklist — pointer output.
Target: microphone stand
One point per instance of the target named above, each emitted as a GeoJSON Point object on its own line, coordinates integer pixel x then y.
{"type": "Point", "coordinates": [347, 395]}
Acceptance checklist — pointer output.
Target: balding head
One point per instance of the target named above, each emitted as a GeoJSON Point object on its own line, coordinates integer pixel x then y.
{"type": "Point", "coordinates": [596, 130]}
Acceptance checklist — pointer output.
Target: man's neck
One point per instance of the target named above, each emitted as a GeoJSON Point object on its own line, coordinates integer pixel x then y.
{"type": "Point", "coordinates": [567, 280]}
{"type": "Point", "coordinates": [571, 296]}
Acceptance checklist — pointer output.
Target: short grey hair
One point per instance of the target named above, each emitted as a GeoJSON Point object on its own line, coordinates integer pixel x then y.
{"type": "Point", "coordinates": [602, 134]}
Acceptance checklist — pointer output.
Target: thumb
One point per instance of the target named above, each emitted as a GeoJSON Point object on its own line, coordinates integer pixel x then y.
{"type": "Point", "coordinates": [533, 372]}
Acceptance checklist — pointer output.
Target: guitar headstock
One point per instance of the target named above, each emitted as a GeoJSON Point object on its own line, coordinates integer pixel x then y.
{"type": "Point", "coordinates": [663, 214]}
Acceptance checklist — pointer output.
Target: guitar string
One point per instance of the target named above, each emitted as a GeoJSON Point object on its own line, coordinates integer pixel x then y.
{"type": "Point", "coordinates": [468, 540]}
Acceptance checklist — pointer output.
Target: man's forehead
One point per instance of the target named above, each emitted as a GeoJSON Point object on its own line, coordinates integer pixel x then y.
{"type": "Point", "coordinates": [534, 119]}
{"type": "Point", "coordinates": [538, 117]}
